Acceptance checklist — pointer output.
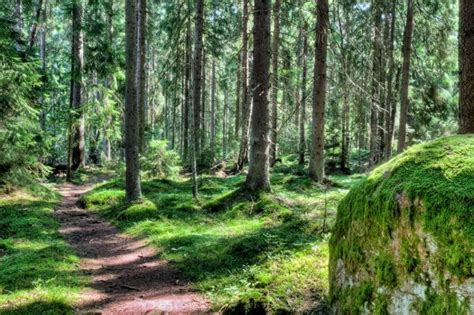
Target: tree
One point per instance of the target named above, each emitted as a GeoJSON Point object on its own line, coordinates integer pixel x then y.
{"type": "Point", "coordinates": [274, 92]}
{"type": "Point", "coordinates": [132, 172]}
{"type": "Point", "coordinates": [141, 49]}
{"type": "Point", "coordinates": [304, 57]}
{"type": "Point", "coordinates": [316, 162]}
{"type": "Point", "coordinates": [406, 50]}
{"type": "Point", "coordinates": [258, 177]}
{"type": "Point", "coordinates": [76, 141]}
{"type": "Point", "coordinates": [466, 64]}
{"type": "Point", "coordinates": [197, 72]}
{"type": "Point", "coordinates": [245, 106]}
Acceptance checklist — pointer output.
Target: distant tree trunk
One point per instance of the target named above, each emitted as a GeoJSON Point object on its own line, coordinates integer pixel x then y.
{"type": "Point", "coordinates": [78, 154]}
{"type": "Point", "coordinates": [466, 65]}
{"type": "Point", "coordinates": [213, 108]}
{"type": "Point", "coordinates": [238, 85]}
{"type": "Point", "coordinates": [258, 177]}
{"type": "Point", "coordinates": [274, 92]}
{"type": "Point", "coordinates": [203, 129]}
{"type": "Point", "coordinates": [316, 162]}
{"type": "Point", "coordinates": [389, 98]}
{"type": "Point", "coordinates": [243, 151]}
{"type": "Point", "coordinates": [187, 88]}
{"type": "Point", "coordinates": [225, 125]}
{"type": "Point", "coordinates": [19, 21]}
{"type": "Point", "coordinates": [304, 57]}
{"type": "Point", "coordinates": [141, 74]}
{"type": "Point", "coordinates": [34, 26]}
{"type": "Point", "coordinates": [42, 44]}
{"type": "Point", "coordinates": [197, 70]}
{"type": "Point", "coordinates": [132, 133]}
{"type": "Point", "coordinates": [375, 106]}
{"type": "Point", "coordinates": [407, 39]}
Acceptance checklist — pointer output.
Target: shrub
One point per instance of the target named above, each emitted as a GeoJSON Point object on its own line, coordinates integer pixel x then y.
{"type": "Point", "coordinates": [159, 161]}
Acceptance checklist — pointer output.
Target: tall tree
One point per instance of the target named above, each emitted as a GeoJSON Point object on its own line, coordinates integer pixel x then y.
{"type": "Point", "coordinates": [132, 172]}
{"type": "Point", "coordinates": [304, 59]}
{"type": "Point", "coordinates": [140, 77]}
{"type": "Point", "coordinates": [316, 162]}
{"type": "Point", "coordinates": [274, 91]}
{"type": "Point", "coordinates": [78, 141]}
{"type": "Point", "coordinates": [406, 50]}
{"type": "Point", "coordinates": [213, 108]}
{"type": "Point", "coordinates": [245, 114]}
{"type": "Point", "coordinates": [197, 72]}
{"type": "Point", "coordinates": [466, 63]}
{"type": "Point", "coordinates": [258, 177]}
{"type": "Point", "coordinates": [391, 106]}
{"type": "Point", "coordinates": [376, 90]}
{"type": "Point", "coordinates": [187, 82]}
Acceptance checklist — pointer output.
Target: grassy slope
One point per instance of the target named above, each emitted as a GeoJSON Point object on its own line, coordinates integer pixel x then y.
{"type": "Point", "coordinates": [269, 252]}
{"type": "Point", "coordinates": [38, 270]}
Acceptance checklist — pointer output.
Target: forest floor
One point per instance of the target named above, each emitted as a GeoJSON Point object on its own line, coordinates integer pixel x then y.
{"type": "Point", "coordinates": [127, 275]}
{"type": "Point", "coordinates": [90, 251]}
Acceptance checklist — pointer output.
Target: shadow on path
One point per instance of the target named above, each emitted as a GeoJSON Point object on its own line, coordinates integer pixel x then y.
{"type": "Point", "coordinates": [127, 276]}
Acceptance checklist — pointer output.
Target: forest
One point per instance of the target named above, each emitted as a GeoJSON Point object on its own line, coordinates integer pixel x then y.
{"type": "Point", "coordinates": [237, 157]}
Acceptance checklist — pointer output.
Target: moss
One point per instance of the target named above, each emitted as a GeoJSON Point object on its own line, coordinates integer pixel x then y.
{"type": "Point", "coordinates": [381, 303]}
{"type": "Point", "coordinates": [446, 303]}
{"type": "Point", "coordinates": [356, 299]}
{"type": "Point", "coordinates": [385, 271]}
{"type": "Point", "coordinates": [431, 185]}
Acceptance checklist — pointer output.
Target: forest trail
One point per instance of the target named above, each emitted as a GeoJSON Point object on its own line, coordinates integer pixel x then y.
{"type": "Point", "coordinates": [126, 275]}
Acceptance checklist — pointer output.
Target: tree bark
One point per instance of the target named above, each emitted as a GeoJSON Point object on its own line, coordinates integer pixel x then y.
{"type": "Point", "coordinates": [187, 88]}
{"type": "Point", "coordinates": [243, 151]}
{"type": "Point", "coordinates": [197, 71]}
{"type": "Point", "coordinates": [132, 172]}
{"type": "Point", "coordinates": [203, 129]}
{"type": "Point", "coordinates": [78, 154]}
{"type": "Point", "coordinates": [466, 65]}
{"type": "Point", "coordinates": [375, 106]}
{"type": "Point", "coordinates": [316, 163]}
{"type": "Point", "coordinates": [34, 27]}
{"type": "Point", "coordinates": [258, 177]}
{"type": "Point", "coordinates": [304, 57]}
{"type": "Point", "coordinates": [274, 91]}
{"type": "Point", "coordinates": [213, 108]}
{"type": "Point", "coordinates": [141, 74]}
{"type": "Point", "coordinates": [407, 39]}
{"type": "Point", "coordinates": [389, 98]}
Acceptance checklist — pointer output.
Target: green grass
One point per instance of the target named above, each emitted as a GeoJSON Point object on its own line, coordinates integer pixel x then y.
{"type": "Point", "coordinates": [270, 251]}
{"type": "Point", "coordinates": [38, 270]}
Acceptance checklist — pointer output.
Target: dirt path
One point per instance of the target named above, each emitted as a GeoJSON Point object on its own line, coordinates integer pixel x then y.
{"type": "Point", "coordinates": [127, 277]}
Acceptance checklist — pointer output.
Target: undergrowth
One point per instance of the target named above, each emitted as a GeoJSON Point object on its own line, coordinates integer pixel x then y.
{"type": "Point", "coordinates": [38, 270]}
{"type": "Point", "coordinates": [268, 251]}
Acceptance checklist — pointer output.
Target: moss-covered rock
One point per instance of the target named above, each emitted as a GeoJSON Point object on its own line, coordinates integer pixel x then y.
{"type": "Point", "coordinates": [404, 238]}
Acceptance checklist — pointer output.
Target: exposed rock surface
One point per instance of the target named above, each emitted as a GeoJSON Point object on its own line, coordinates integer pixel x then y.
{"type": "Point", "coordinates": [403, 242]}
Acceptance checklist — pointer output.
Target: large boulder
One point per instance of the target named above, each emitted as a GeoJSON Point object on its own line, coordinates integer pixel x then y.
{"type": "Point", "coordinates": [403, 242]}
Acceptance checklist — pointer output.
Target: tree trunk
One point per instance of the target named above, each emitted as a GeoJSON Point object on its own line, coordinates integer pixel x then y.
{"type": "Point", "coordinates": [243, 151]}
{"type": "Point", "coordinates": [466, 65]}
{"type": "Point", "coordinates": [238, 85]}
{"type": "Point", "coordinates": [203, 129]}
{"type": "Point", "coordinates": [34, 26]}
{"type": "Point", "coordinates": [375, 106]}
{"type": "Point", "coordinates": [213, 109]}
{"type": "Point", "coordinates": [197, 70]}
{"type": "Point", "coordinates": [389, 98]}
{"type": "Point", "coordinates": [304, 57]}
{"type": "Point", "coordinates": [258, 177]}
{"type": "Point", "coordinates": [274, 92]}
{"type": "Point", "coordinates": [407, 39]}
{"type": "Point", "coordinates": [141, 74]}
{"type": "Point", "coordinates": [225, 125]}
{"type": "Point", "coordinates": [78, 154]}
{"type": "Point", "coordinates": [316, 162]}
{"type": "Point", "coordinates": [187, 88]}
{"type": "Point", "coordinates": [132, 134]}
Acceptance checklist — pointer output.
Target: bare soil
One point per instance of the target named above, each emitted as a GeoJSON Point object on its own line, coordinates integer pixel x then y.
{"type": "Point", "coordinates": [127, 276]}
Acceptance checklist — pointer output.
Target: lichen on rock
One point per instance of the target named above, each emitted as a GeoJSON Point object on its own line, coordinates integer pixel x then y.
{"type": "Point", "coordinates": [403, 242]}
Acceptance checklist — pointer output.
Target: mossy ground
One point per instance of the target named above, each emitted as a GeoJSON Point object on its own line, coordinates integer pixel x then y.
{"type": "Point", "coordinates": [268, 251]}
{"type": "Point", "coordinates": [431, 186]}
{"type": "Point", "coordinates": [38, 270]}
